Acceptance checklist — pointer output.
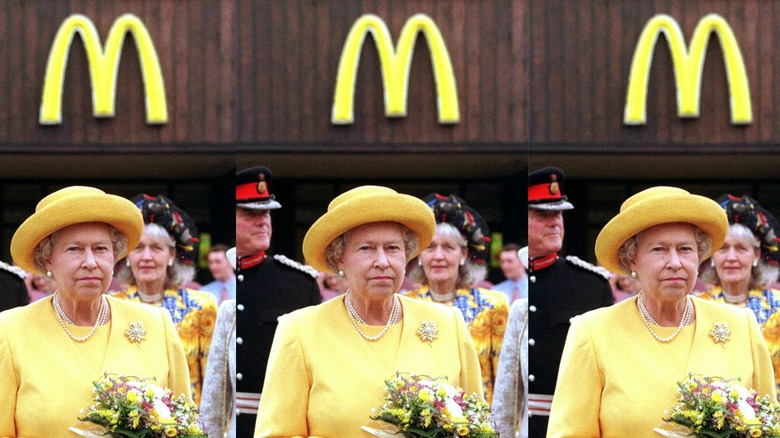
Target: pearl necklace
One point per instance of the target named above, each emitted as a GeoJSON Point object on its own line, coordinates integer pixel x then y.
{"type": "Point", "coordinates": [355, 317]}
{"type": "Point", "coordinates": [647, 318]}
{"type": "Point", "coordinates": [441, 298]}
{"type": "Point", "coordinates": [150, 298]}
{"type": "Point", "coordinates": [62, 317]}
{"type": "Point", "coordinates": [734, 299]}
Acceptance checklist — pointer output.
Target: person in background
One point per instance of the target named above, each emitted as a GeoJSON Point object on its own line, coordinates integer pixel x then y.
{"type": "Point", "coordinates": [559, 288]}
{"type": "Point", "coordinates": [331, 285]}
{"type": "Point", "coordinates": [267, 288]}
{"type": "Point", "coordinates": [157, 268]}
{"type": "Point", "coordinates": [450, 267]}
{"type": "Point", "coordinates": [743, 269]}
{"type": "Point", "coordinates": [224, 285]}
{"type": "Point", "coordinates": [621, 365]}
{"type": "Point", "coordinates": [625, 286]}
{"type": "Point", "coordinates": [218, 402]}
{"type": "Point", "coordinates": [52, 350]}
{"type": "Point", "coordinates": [509, 412]}
{"type": "Point", "coordinates": [13, 289]}
{"type": "Point", "coordinates": [516, 284]}
{"type": "Point", "coordinates": [329, 362]}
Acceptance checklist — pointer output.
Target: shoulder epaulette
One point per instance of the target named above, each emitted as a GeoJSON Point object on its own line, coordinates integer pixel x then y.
{"type": "Point", "coordinates": [295, 265]}
{"type": "Point", "coordinates": [576, 261]}
{"type": "Point", "coordinates": [13, 269]}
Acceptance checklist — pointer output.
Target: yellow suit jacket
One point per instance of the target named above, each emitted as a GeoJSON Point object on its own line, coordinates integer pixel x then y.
{"type": "Point", "coordinates": [323, 378]}
{"type": "Point", "coordinates": [616, 379]}
{"type": "Point", "coordinates": [46, 377]}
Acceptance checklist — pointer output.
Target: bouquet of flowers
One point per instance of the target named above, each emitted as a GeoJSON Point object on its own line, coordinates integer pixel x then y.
{"type": "Point", "coordinates": [426, 407]}
{"type": "Point", "coordinates": [715, 407]}
{"type": "Point", "coordinates": [129, 407]}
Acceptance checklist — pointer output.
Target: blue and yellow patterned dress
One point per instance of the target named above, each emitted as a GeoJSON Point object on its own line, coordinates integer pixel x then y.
{"type": "Point", "coordinates": [486, 313]}
{"type": "Point", "coordinates": [194, 314]}
{"type": "Point", "coordinates": [765, 304]}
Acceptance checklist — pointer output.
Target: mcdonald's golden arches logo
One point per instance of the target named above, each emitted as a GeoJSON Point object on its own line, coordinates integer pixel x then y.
{"type": "Point", "coordinates": [103, 68]}
{"type": "Point", "coordinates": [395, 65]}
{"type": "Point", "coordinates": [688, 65]}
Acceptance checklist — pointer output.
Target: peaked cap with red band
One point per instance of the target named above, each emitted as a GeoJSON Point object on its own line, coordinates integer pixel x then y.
{"type": "Point", "coordinates": [545, 190]}
{"type": "Point", "coordinates": [253, 189]}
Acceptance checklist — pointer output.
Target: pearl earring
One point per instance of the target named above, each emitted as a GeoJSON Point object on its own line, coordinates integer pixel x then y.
{"type": "Point", "coordinates": [48, 274]}
{"type": "Point", "coordinates": [712, 263]}
{"type": "Point", "coordinates": [170, 262]}
{"type": "Point", "coordinates": [419, 261]}
{"type": "Point", "coordinates": [127, 262]}
{"type": "Point", "coordinates": [755, 263]}
{"type": "Point", "coordinates": [462, 262]}
{"type": "Point", "coordinates": [633, 274]}
{"type": "Point", "coordinates": [341, 273]}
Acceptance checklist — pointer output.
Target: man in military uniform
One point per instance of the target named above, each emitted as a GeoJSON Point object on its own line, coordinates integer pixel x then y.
{"type": "Point", "coordinates": [560, 288]}
{"type": "Point", "coordinates": [267, 288]}
{"type": "Point", "coordinates": [13, 290]}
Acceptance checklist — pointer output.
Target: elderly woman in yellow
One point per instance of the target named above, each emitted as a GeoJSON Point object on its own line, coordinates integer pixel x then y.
{"type": "Point", "coordinates": [743, 268]}
{"type": "Point", "coordinates": [329, 362]}
{"type": "Point", "coordinates": [157, 268]}
{"type": "Point", "coordinates": [451, 266]}
{"type": "Point", "coordinates": [617, 383]}
{"type": "Point", "coordinates": [74, 236]}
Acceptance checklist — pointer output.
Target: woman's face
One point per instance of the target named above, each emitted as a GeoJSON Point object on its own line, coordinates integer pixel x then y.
{"type": "Point", "coordinates": [82, 260]}
{"type": "Point", "coordinates": [441, 259]}
{"type": "Point", "coordinates": [734, 260]}
{"type": "Point", "coordinates": [374, 259]}
{"type": "Point", "coordinates": [149, 260]}
{"type": "Point", "coordinates": [667, 260]}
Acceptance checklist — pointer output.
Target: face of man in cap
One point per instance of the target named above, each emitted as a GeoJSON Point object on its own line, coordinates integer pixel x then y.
{"type": "Point", "coordinates": [253, 231]}
{"type": "Point", "coordinates": [545, 232]}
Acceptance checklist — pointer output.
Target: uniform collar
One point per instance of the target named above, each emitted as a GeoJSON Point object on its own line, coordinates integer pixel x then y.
{"type": "Point", "coordinates": [250, 261]}
{"type": "Point", "coordinates": [539, 263]}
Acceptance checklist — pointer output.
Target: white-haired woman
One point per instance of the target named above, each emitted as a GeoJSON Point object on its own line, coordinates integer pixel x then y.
{"type": "Point", "coordinates": [156, 270]}
{"type": "Point", "coordinates": [621, 364]}
{"type": "Point", "coordinates": [328, 363]}
{"type": "Point", "coordinates": [449, 270]}
{"type": "Point", "coordinates": [52, 350]}
{"type": "Point", "coordinates": [745, 266]}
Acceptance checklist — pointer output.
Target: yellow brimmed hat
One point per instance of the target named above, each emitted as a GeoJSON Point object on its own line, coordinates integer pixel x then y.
{"type": "Point", "coordinates": [364, 205]}
{"type": "Point", "coordinates": [655, 206]}
{"type": "Point", "coordinates": [70, 206]}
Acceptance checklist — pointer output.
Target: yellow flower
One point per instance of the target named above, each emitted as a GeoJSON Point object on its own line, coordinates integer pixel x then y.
{"type": "Point", "coordinates": [463, 430]}
{"type": "Point", "coordinates": [424, 395]}
{"type": "Point", "coordinates": [132, 397]}
{"type": "Point", "coordinates": [755, 433]}
{"type": "Point", "coordinates": [171, 431]}
{"type": "Point", "coordinates": [717, 397]}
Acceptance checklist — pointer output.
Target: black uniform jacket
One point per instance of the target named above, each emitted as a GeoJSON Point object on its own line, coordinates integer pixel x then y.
{"type": "Point", "coordinates": [263, 294]}
{"type": "Point", "coordinates": [556, 294]}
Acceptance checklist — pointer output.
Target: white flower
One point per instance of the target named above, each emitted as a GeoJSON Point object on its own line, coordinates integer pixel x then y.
{"type": "Point", "coordinates": [162, 410]}
{"type": "Point", "coordinates": [454, 408]}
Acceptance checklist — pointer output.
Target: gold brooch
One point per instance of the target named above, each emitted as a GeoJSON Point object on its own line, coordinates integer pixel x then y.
{"type": "Point", "coordinates": [136, 333]}
{"type": "Point", "coordinates": [427, 332]}
{"type": "Point", "coordinates": [720, 334]}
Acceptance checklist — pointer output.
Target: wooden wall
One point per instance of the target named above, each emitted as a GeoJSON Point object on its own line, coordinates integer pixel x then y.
{"type": "Point", "coordinates": [260, 76]}
{"type": "Point", "coordinates": [580, 57]}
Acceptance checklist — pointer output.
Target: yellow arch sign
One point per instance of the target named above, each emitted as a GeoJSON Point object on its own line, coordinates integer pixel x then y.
{"type": "Point", "coordinates": [395, 66]}
{"type": "Point", "coordinates": [103, 68]}
{"type": "Point", "coordinates": [688, 64]}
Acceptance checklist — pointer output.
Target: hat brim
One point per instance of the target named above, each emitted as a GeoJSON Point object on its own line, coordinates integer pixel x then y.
{"type": "Point", "coordinates": [406, 210]}
{"type": "Point", "coordinates": [552, 206]}
{"type": "Point", "coordinates": [696, 210]}
{"type": "Point", "coordinates": [268, 205]}
{"type": "Point", "coordinates": [116, 211]}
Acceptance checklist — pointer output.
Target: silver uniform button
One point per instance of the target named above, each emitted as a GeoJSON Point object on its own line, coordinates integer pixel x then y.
{"type": "Point", "coordinates": [240, 277]}
{"type": "Point", "coordinates": [532, 308]}
{"type": "Point", "coordinates": [240, 307]}
{"type": "Point", "coordinates": [239, 376]}
{"type": "Point", "coordinates": [531, 377]}
{"type": "Point", "coordinates": [239, 341]}
{"type": "Point", "coordinates": [531, 342]}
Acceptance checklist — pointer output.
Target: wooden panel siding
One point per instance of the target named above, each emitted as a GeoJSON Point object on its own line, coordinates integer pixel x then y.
{"type": "Point", "coordinates": [580, 57]}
